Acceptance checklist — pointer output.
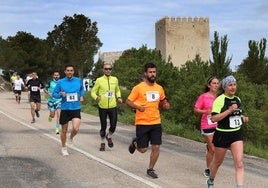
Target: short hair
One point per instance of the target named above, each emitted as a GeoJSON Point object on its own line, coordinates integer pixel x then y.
{"type": "Point", "coordinates": [148, 65]}
{"type": "Point", "coordinates": [107, 64]}
{"type": "Point", "coordinates": [69, 65]}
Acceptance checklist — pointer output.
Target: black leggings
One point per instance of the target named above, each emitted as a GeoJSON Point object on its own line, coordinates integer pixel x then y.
{"type": "Point", "coordinates": [112, 114]}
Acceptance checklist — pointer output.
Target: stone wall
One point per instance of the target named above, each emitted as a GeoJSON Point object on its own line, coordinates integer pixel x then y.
{"type": "Point", "coordinates": [109, 57]}
{"type": "Point", "coordinates": [182, 38]}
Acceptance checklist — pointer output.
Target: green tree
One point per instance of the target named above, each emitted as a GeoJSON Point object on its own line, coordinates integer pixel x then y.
{"type": "Point", "coordinates": [75, 42]}
{"type": "Point", "coordinates": [255, 66]}
{"type": "Point", "coordinates": [24, 53]}
{"type": "Point", "coordinates": [220, 65]}
{"type": "Point", "coordinates": [192, 78]}
{"type": "Point", "coordinates": [97, 70]}
{"type": "Point", "coordinates": [129, 66]}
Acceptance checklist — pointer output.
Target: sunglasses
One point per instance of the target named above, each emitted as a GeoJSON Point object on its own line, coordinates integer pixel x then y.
{"type": "Point", "coordinates": [107, 68]}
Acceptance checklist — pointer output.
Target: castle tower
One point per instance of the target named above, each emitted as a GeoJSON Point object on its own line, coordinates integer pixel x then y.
{"type": "Point", "coordinates": [182, 38]}
{"type": "Point", "coordinates": [109, 57]}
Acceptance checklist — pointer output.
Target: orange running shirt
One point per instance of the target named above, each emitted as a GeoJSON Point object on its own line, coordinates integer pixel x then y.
{"type": "Point", "coordinates": [148, 96]}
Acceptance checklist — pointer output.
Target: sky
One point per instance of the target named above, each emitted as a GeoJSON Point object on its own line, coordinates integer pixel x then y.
{"type": "Point", "coordinates": [124, 24]}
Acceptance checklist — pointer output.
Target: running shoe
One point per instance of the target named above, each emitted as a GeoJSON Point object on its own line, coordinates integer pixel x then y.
{"type": "Point", "coordinates": [70, 141]}
{"type": "Point", "coordinates": [37, 113]}
{"type": "Point", "coordinates": [151, 173]}
{"type": "Point", "coordinates": [132, 146]}
{"type": "Point", "coordinates": [102, 147]}
{"type": "Point", "coordinates": [110, 141]}
{"type": "Point", "coordinates": [33, 120]}
{"type": "Point", "coordinates": [49, 118]}
{"type": "Point", "coordinates": [206, 172]}
{"type": "Point", "coordinates": [209, 184]}
{"type": "Point", "coordinates": [57, 129]}
{"type": "Point", "coordinates": [64, 151]}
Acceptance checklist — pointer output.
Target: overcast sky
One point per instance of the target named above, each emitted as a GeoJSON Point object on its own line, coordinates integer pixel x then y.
{"type": "Point", "coordinates": [124, 24]}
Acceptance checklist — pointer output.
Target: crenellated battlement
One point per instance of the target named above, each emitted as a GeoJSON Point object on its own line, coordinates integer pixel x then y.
{"type": "Point", "coordinates": [185, 20]}
{"type": "Point", "coordinates": [110, 57]}
{"type": "Point", "coordinates": [182, 38]}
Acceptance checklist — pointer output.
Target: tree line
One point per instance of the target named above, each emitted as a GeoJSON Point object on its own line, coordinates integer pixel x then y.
{"type": "Point", "coordinates": [75, 42]}
{"type": "Point", "coordinates": [183, 85]}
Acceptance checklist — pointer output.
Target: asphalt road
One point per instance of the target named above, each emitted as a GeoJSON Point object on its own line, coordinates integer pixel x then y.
{"type": "Point", "coordinates": [30, 156]}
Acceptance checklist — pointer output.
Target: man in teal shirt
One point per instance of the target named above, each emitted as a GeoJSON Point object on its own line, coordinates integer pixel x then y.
{"type": "Point", "coordinates": [53, 104]}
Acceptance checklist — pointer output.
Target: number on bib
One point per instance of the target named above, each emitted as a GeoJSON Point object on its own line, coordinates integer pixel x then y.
{"type": "Point", "coordinates": [109, 94]}
{"type": "Point", "coordinates": [34, 88]}
{"type": "Point", "coordinates": [71, 97]}
{"type": "Point", "coordinates": [235, 121]}
{"type": "Point", "coordinates": [209, 120]}
{"type": "Point", "coordinates": [152, 96]}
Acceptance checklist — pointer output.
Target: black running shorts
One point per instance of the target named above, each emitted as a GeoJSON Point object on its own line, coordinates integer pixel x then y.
{"type": "Point", "coordinates": [68, 115]}
{"type": "Point", "coordinates": [146, 133]}
{"type": "Point", "coordinates": [225, 139]}
{"type": "Point", "coordinates": [35, 98]}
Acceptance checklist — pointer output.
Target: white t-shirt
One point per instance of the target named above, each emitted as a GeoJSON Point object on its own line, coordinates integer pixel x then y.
{"type": "Point", "coordinates": [18, 84]}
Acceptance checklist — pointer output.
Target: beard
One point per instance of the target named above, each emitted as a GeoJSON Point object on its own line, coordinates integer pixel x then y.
{"type": "Point", "coordinates": [151, 79]}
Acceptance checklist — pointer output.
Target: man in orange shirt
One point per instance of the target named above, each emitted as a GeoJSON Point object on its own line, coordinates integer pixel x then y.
{"type": "Point", "coordinates": [145, 99]}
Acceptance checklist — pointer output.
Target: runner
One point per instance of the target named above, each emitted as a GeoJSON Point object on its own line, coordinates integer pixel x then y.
{"type": "Point", "coordinates": [70, 89]}
{"type": "Point", "coordinates": [203, 107]}
{"type": "Point", "coordinates": [54, 105]}
{"type": "Point", "coordinates": [227, 112]}
{"type": "Point", "coordinates": [17, 88]}
{"type": "Point", "coordinates": [145, 98]}
{"type": "Point", "coordinates": [34, 86]}
{"type": "Point", "coordinates": [107, 93]}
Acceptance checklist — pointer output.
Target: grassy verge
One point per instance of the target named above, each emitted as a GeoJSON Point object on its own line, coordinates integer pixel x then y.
{"type": "Point", "coordinates": [126, 116]}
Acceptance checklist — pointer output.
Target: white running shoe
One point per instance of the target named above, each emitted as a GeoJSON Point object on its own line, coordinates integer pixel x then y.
{"type": "Point", "coordinates": [64, 151]}
{"type": "Point", "coordinates": [70, 142]}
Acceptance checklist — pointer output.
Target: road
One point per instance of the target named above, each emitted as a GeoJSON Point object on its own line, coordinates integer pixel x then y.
{"type": "Point", "coordinates": [30, 156]}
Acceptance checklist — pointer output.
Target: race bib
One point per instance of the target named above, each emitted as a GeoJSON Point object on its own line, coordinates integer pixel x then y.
{"type": "Point", "coordinates": [152, 96]}
{"type": "Point", "coordinates": [34, 88]}
{"type": "Point", "coordinates": [17, 85]}
{"type": "Point", "coordinates": [71, 97]}
{"type": "Point", "coordinates": [235, 121]}
{"type": "Point", "coordinates": [209, 120]}
{"type": "Point", "coordinates": [109, 94]}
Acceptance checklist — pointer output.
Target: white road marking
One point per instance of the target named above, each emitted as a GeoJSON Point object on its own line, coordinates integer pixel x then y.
{"type": "Point", "coordinates": [138, 178]}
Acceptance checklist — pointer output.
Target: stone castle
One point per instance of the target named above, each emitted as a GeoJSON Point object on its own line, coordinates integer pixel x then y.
{"type": "Point", "coordinates": [109, 57]}
{"type": "Point", "coordinates": [178, 39]}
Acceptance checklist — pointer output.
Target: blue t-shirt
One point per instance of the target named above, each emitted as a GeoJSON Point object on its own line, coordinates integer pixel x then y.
{"type": "Point", "coordinates": [74, 90]}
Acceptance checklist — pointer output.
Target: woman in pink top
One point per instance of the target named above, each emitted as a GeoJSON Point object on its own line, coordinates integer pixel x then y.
{"type": "Point", "coordinates": [203, 106]}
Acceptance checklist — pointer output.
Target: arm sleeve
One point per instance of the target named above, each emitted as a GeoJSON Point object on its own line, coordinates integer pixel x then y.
{"type": "Point", "coordinates": [56, 92]}
{"type": "Point", "coordinates": [117, 90]}
{"type": "Point", "coordinates": [217, 106]}
{"type": "Point", "coordinates": [94, 90]}
{"type": "Point", "coordinates": [199, 102]}
{"type": "Point", "coordinates": [82, 92]}
{"type": "Point", "coordinates": [42, 86]}
{"type": "Point", "coordinates": [133, 94]}
{"type": "Point", "coordinates": [162, 96]}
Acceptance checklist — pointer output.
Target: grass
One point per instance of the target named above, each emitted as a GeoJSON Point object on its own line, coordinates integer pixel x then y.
{"type": "Point", "coordinates": [126, 116]}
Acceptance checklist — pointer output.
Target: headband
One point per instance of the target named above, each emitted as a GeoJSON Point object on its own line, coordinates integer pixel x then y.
{"type": "Point", "coordinates": [227, 80]}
